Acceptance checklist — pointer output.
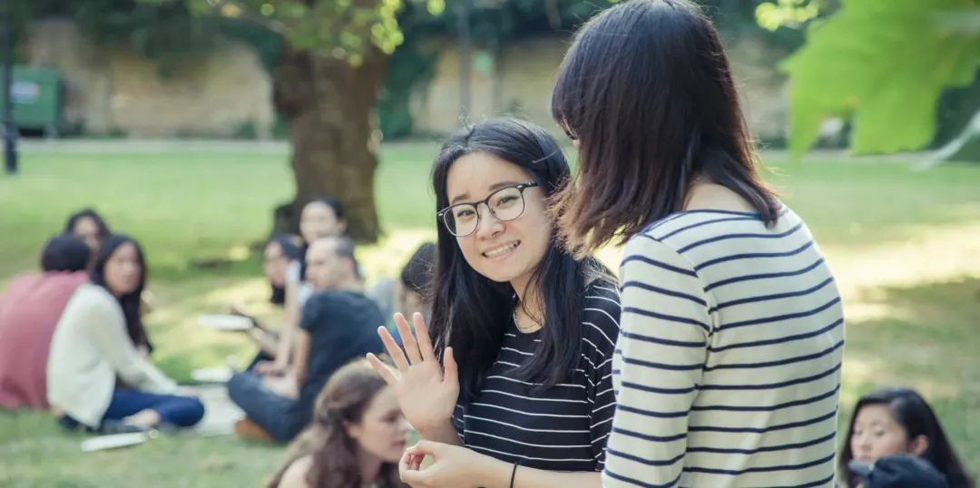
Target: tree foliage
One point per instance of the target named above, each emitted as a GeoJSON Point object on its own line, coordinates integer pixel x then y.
{"type": "Point", "coordinates": [884, 64]}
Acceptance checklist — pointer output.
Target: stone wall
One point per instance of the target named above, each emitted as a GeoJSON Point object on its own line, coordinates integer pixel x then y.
{"type": "Point", "coordinates": [115, 90]}
{"type": "Point", "coordinates": [218, 93]}
{"type": "Point", "coordinates": [523, 75]}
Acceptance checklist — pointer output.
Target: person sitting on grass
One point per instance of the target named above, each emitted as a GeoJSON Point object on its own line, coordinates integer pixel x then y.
{"type": "Point", "coordinates": [894, 422]}
{"type": "Point", "coordinates": [321, 217]}
{"type": "Point", "coordinates": [30, 307]}
{"type": "Point", "coordinates": [356, 439]}
{"type": "Point", "coordinates": [93, 346]}
{"type": "Point", "coordinates": [337, 324]}
{"type": "Point", "coordinates": [88, 226]}
{"type": "Point", "coordinates": [280, 252]}
{"type": "Point", "coordinates": [410, 293]}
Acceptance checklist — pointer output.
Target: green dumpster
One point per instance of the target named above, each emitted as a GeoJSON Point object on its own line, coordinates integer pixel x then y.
{"type": "Point", "coordinates": [37, 98]}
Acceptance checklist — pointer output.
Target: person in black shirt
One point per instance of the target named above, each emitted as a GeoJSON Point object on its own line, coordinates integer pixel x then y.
{"type": "Point", "coordinates": [337, 325]}
{"type": "Point", "coordinates": [525, 331]}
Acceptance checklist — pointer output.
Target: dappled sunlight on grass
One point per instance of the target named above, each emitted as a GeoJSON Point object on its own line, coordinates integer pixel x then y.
{"type": "Point", "coordinates": [932, 254]}
{"type": "Point", "coordinates": [925, 336]}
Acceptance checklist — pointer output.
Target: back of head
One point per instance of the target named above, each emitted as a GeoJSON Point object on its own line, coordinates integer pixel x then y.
{"type": "Point", "coordinates": [914, 414]}
{"type": "Point", "coordinates": [417, 273]}
{"type": "Point", "coordinates": [647, 90]}
{"type": "Point", "coordinates": [65, 253]}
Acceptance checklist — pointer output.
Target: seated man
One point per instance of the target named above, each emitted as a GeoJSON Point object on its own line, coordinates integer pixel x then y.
{"type": "Point", "coordinates": [29, 311]}
{"type": "Point", "coordinates": [338, 324]}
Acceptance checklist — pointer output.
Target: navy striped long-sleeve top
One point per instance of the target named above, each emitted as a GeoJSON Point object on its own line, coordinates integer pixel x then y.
{"type": "Point", "coordinates": [728, 365]}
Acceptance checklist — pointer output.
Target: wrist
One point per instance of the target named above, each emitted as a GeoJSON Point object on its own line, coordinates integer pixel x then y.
{"type": "Point", "coordinates": [493, 473]}
{"type": "Point", "coordinates": [435, 429]}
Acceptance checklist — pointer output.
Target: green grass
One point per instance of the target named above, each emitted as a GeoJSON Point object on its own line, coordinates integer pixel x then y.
{"type": "Point", "coordinates": [905, 246]}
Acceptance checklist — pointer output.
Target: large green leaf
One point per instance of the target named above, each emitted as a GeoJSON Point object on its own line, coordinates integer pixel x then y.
{"type": "Point", "coordinates": [884, 63]}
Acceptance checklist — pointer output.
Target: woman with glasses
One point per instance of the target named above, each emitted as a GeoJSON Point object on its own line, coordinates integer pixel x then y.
{"type": "Point", "coordinates": [524, 331]}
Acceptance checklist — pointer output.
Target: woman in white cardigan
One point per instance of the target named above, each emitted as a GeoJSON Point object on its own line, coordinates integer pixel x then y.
{"type": "Point", "coordinates": [93, 347]}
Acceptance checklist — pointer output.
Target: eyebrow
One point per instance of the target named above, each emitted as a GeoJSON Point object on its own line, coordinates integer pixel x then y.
{"type": "Point", "coordinates": [494, 187]}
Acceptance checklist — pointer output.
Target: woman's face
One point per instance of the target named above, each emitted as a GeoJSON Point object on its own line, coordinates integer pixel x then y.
{"type": "Point", "coordinates": [87, 229]}
{"type": "Point", "coordinates": [877, 434]}
{"type": "Point", "coordinates": [319, 220]}
{"type": "Point", "coordinates": [383, 430]}
{"type": "Point", "coordinates": [501, 251]}
{"type": "Point", "coordinates": [123, 270]}
{"type": "Point", "coordinates": [275, 264]}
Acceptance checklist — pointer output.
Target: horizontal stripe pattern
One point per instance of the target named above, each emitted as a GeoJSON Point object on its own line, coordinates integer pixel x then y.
{"type": "Point", "coordinates": [727, 368]}
{"type": "Point", "coordinates": [563, 428]}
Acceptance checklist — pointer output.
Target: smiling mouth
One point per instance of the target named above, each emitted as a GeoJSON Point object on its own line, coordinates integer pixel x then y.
{"type": "Point", "coordinates": [502, 250]}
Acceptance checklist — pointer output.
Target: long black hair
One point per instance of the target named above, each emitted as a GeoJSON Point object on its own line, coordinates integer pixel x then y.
{"type": "Point", "coordinates": [290, 251]}
{"type": "Point", "coordinates": [470, 312]}
{"type": "Point", "coordinates": [913, 413]}
{"type": "Point", "coordinates": [129, 302]}
{"type": "Point", "coordinates": [87, 213]}
{"type": "Point", "coordinates": [647, 90]}
{"type": "Point", "coordinates": [65, 253]}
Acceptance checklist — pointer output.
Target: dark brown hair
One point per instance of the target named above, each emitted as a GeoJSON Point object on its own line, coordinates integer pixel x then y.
{"type": "Point", "coordinates": [343, 401]}
{"type": "Point", "coordinates": [913, 413]}
{"type": "Point", "coordinates": [647, 89]}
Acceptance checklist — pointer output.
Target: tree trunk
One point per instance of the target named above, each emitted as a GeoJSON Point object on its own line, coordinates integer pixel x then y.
{"type": "Point", "coordinates": [330, 108]}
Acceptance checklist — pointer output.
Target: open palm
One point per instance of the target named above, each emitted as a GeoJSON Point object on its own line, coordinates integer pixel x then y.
{"type": "Point", "coordinates": [426, 390]}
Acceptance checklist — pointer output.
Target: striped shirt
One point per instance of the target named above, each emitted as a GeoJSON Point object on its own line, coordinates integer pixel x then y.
{"type": "Point", "coordinates": [728, 366]}
{"type": "Point", "coordinates": [563, 428]}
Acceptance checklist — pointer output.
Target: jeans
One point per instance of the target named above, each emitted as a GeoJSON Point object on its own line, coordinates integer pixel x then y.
{"type": "Point", "coordinates": [283, 418]}
{"type": "Point", "coordinates": [180, 411]}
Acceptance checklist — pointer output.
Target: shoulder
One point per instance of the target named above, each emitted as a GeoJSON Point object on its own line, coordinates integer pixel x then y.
{"type": "Point", "coordinates": [94, 297]}
{"type": "Point", "coordinates": [295, 474]}
{"type": "Point", "coordinates": [600, 314]}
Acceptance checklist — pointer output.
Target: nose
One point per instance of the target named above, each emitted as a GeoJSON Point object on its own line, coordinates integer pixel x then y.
{"type": "Point", "coordinates": [403, 426]}
{"type": "Point", "coordinates": [488, 226]}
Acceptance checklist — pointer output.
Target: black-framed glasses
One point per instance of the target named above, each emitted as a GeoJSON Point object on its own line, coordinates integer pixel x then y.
{"type": "Point", "coordinates": [505, 204]}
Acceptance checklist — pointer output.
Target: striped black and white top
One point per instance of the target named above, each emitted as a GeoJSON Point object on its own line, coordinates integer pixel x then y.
{"type": "Point", "coordinates": [563, 428]}
{"type": "Point", "coordinates": [728, 365]}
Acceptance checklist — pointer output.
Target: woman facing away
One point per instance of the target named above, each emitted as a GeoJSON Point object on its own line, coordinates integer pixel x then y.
{"type": "Point", "coordinates": [728, 365]}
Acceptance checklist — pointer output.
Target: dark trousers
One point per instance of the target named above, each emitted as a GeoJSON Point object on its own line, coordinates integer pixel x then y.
{"type": "Point", "coordinates": [283, 418]}
{"type": "Point", "coordinates": [176, 410]}
{"type": "Point", "coordinates": [180, 411]}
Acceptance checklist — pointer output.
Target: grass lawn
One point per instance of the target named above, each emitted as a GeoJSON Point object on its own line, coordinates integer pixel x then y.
{"type": "Point", "coordinates": [905, 246]}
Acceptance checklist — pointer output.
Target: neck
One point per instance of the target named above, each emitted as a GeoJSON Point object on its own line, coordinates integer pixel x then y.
{"type": "Point", "coordinates": [370, 467]}
{"type": "Point", "coordinates": [350, 284]}
{"type": "Point", "coordinates": [530, 303]}
{"type": "Point", "coordinates": [706, 194]}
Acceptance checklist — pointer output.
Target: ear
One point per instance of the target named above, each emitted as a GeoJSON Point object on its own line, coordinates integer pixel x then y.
{"type": "Point", "coordinates": [342, 225]}
{"type": "Point", "coordinates": [919, 445]}
{"type": "Point", "coordinates": [353, 430]}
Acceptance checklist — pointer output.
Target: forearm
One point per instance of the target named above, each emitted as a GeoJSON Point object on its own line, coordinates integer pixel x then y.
{"type": "Point", "coordinates": [444, 432]}
{"type": "Point", "coordinates": [266, 342]}
{"type": "Point", "coordinates": [497, 474]}
{"type": "Point", "coordinates": [301, 355]}
{"type": "Point", "coordinates": [284, 349]}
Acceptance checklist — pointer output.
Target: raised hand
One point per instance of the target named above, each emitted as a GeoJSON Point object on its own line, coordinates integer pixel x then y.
{"type": "Point", "coordinates": [426, 390]}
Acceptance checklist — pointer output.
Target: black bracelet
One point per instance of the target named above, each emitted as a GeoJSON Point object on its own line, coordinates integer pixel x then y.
{"type": "Point", "coordinates": [513, 474]}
